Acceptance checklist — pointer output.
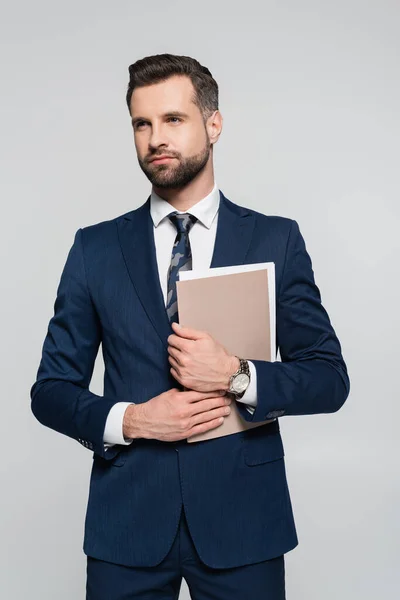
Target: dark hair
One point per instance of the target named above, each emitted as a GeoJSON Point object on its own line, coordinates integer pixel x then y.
{"type": "Point", "coordinates": [157, 68]}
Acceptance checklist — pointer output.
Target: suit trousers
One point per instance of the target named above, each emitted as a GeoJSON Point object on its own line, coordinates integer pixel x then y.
{"type": "Point", "coordinates": [257, 581]}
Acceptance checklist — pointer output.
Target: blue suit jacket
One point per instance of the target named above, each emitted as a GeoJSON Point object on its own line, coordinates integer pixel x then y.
{"type": "Point", "coordinates": [233, 488]}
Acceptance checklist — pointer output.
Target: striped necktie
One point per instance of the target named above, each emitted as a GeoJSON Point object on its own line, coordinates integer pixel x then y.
{"type": "Point", "coordinates": [181, 259]}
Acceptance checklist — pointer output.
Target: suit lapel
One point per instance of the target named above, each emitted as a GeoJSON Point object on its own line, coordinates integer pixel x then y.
{"type": "Point", "coordinates": [136, 235]}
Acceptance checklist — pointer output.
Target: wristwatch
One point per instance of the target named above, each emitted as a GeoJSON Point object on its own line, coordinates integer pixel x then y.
{"type": "Point", "coordinates": [240, 380]}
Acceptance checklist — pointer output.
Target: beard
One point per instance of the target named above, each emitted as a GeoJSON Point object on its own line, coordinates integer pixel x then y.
{"type": "Point", "coordinates": [177, 173]}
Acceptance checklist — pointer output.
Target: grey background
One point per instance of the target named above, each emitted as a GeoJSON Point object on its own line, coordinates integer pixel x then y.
{"type": "Point", "coordinates": [310, 96]}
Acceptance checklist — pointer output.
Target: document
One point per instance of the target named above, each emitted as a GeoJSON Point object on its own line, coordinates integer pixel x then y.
{"type": "Point", "coordinates": [236, 305]}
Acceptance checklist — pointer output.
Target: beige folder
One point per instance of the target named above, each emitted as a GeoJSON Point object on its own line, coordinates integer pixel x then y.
{"type": "Point", "coordinates": [236, 305]}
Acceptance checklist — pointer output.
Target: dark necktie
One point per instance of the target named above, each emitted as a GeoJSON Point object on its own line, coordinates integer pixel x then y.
{"type": "Point", "coordinates": [181, 259]}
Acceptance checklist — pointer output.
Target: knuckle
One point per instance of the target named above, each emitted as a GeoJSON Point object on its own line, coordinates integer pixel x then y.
{"type": "Point", "coordinates": [179, 414]}
{"type": "Point", "coordinates": [183, 413]}
{"type": "Point", "coordinates": [185, 424]}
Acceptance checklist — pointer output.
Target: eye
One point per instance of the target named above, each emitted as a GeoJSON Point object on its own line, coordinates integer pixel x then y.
{"type": "Point", "coordinates": [139, 123]}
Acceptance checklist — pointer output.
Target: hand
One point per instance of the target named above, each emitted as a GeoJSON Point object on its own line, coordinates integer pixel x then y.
{"type": "Point", "coordinates": [175, 415]}
{"type": "Point", "coordinates": [198, 361]}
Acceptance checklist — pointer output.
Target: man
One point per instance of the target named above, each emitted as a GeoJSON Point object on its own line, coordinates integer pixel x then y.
{"type": "Point", "coordinates": [217, 512]}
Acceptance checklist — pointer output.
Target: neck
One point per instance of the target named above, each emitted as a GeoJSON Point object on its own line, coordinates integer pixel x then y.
{"type": "Point", "coordinates": [184, 198]}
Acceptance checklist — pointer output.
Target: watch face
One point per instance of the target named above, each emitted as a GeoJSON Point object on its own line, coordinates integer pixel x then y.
{"type": "Point", "coordinates": [240, 382]}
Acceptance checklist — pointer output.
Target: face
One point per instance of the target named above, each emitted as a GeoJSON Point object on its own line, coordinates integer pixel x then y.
{"type": "Point", "coordinates": [166, 121]}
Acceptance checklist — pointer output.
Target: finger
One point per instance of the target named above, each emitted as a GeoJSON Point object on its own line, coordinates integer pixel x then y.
{"type": "Point", "coordinates": [188, 332]}
{"type": "Point", "coordinates": [196, 396]}
{"type": "Point", "coordinates": [175, 341]}
{"type": "Point", "coordinates": [174, 362]}
{"type": "Point", "coordinates": [175, 374]}
{"type": "Point", "coordinates": [204, 427]}
{"type": "Point", "coordinates": [174, 352]}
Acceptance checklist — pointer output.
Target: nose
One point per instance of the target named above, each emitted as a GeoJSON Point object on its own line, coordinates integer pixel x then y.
{"type": "Point", "coordinates": [158, 138]}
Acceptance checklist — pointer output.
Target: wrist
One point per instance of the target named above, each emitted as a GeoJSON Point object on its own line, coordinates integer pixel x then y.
{"type": "Point", "coordinates": [233, 365]}
{"type": "Point", "coordinates": [131, 426]}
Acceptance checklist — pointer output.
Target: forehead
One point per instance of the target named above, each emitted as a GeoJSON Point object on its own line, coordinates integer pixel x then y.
{"type": "Point", "coordinates": [175, 93]}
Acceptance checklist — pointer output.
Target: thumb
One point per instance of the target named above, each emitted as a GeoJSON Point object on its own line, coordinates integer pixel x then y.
{"type": "Point", "coordinates": [188, 332]}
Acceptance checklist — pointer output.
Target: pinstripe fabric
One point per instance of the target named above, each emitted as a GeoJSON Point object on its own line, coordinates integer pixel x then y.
{"type": "Point", "coordinates": [233, 489]}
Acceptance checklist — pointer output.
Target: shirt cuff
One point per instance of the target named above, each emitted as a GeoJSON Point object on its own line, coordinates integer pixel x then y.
{"type": "Point", "coordinates": [250, 396]}
{"type": "Point", "coordinates": [113, 430]}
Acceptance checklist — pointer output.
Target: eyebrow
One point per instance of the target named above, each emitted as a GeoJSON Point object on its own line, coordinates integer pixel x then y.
{"type": "Point", "coordinates": [174, 113]}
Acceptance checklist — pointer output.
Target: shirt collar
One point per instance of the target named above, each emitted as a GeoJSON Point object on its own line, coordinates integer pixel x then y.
{"type": "Point", "coordinates": [205, 209]}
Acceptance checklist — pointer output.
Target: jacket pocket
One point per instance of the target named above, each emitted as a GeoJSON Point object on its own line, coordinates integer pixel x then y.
{"type": "Point", "coordinates": [118, 460]}
{"type": "Point", "coordinates": [260, 447]}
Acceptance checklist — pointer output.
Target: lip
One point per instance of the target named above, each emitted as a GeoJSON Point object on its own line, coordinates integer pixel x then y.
{"type": "Point", "coordinates": [161, 159]}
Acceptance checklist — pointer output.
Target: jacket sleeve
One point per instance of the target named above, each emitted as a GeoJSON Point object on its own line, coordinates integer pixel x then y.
{"type": "Point", "coordinates": [312, 376]}
{"type": "Point", "coordinates": [60, 398]}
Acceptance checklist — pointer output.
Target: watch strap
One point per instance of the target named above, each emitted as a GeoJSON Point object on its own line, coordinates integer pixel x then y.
{"type": "Point", "coordinates": [243, 368]}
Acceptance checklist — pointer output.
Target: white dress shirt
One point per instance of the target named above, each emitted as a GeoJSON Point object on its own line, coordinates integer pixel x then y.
{"type": "Point", "coordinates": [202, 239]}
